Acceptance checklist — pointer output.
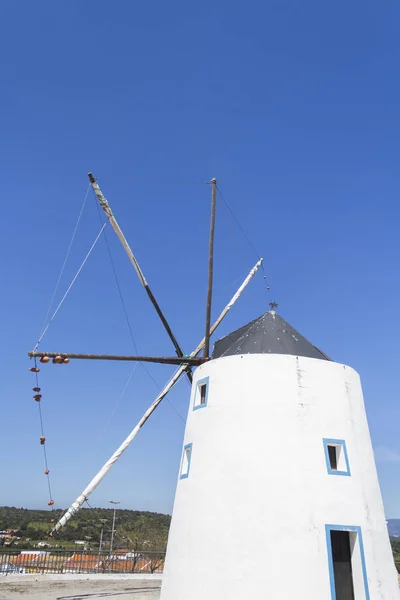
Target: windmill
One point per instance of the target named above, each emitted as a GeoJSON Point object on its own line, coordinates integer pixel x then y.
{"type": "Point", "coordinates": [277, 494]}
{"type": "Point", "coordinates": [185, 362]}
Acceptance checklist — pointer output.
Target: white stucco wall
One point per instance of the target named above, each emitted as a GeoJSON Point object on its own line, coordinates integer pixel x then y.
{"type": "Point", "coordinates": [249, 520]}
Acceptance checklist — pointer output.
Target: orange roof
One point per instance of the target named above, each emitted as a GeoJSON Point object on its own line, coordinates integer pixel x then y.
{"type": "Point", "coordinates": [37, 560]}
{"type": "Point", "coordinates": [82, 560]}
{"type": "Point", "coordinates": [25, 558]}
{"type": "Point", "coordinates": [129, 565]}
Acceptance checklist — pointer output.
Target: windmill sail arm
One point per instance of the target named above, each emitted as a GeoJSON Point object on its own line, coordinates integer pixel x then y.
{"type": "Point", "coordinates": [73, 509]}
{"type": "Point", "coordinates": [114, 224]}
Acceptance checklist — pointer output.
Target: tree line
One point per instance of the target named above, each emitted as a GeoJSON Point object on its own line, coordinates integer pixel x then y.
{"type": "Point", "coordinates": [133, 529]}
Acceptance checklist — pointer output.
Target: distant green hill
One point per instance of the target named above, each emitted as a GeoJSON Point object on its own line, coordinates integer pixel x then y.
{"type": "Point", "coordinates": [134, 529]}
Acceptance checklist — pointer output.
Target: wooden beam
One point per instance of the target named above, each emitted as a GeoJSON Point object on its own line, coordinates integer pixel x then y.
{"type": "Point", "coordinates": [166, 360]}
{"type": "Point", "coordinates": [114, 224]}
{"type": "Point", "coordinates": [210, 266]}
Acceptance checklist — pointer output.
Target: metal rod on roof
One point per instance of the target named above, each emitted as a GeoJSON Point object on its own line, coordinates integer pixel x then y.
{"type": "Point", "coordinates": [75, 506]}
{"type": "Point", "coordinates": [210, 266]}
{"type": "Point", "coordinates": [167, 360]}
{"type": "Point", "coordinates": [114, 224]}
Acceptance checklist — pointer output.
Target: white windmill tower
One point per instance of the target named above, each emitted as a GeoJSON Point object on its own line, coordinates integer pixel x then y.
{"type": "Point", "coordinates": [278, 495]}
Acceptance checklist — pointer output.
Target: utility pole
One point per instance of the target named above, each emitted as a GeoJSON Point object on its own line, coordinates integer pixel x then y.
{"type": "Point", "coordinates": [103, 522]}
{"type": "Point", "coordinates": [210, 267]}
{"type": "Point", "coordinates": [113, 524]}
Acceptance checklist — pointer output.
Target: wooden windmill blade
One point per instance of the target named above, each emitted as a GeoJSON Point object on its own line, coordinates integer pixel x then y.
{"type": "Point", "coordinates": [114, 224]}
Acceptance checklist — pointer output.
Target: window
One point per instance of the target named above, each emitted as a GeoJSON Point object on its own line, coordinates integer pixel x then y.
{"type": "Point", "coordinates": [337, 461]}
{"type": "Point", "coordinates": [347, 569]}
{"type": "Point", "coordinates": [201, 394]}
{"type": "Point", "coordinates": [186, 458]}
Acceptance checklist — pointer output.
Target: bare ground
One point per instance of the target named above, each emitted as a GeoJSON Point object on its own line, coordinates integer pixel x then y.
{"type": "Point", "coordinates": [12, 588]}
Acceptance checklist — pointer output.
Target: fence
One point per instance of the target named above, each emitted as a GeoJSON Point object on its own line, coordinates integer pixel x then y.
{"type": "Point", "coordinates": [81, 561]}
{"type": "Point", "coordinates": [84, 561]}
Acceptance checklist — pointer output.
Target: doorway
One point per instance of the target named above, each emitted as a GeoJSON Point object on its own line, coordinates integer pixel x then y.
{"type": "Point", "coordinates": [342, 567]}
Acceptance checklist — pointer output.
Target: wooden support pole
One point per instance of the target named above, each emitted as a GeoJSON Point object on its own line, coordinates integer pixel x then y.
{"type": "Point", "coordinates": [114, 224]}
{"type": "Point", "coordinates": [166, 360]}
{"type": "Point", "coordinates": [210, 266]}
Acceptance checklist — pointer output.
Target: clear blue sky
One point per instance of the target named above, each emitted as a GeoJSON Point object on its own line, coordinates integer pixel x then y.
{"type": "Point", "coordinates": [293, 106]}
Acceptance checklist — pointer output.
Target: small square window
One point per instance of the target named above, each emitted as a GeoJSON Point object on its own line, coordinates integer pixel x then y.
{"type": "Point", "coordinates": [201, 393]}
{"type": "Point", "coordinates": [186, 458]}
{"type": "Point", "coordinates": [337, 461]}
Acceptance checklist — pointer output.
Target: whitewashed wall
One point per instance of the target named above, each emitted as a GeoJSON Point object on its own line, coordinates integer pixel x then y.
{"type": "Point", "coordinates": [249, 521]}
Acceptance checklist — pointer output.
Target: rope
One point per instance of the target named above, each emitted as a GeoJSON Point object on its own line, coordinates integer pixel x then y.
{"type": "Point", "coordinates": [120, 397]}
{"type": "Point", "coordinates": [95, 510]}
{"type": "Point", "coordinates": [233, 284]}
{"type": "Point", "coordinates": [225, 202]}
{"type": "Point", "coordinates": [46, 464]}
{"type": "Point", "coordinates": [70, 286]}
{"type": "Point", "coordinates": [128, 321]}
{"type": "Point", "coordinates": [238, 224]}
{"type": "Point", "coordinates": [65, 259]}
{"type": "Point", "coordinates": [235, 239]}
{"type": "Point", "coordinates": [44, 329]}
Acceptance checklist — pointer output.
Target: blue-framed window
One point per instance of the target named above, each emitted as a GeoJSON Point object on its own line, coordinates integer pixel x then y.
{"type": "Point", "coordinates": [337, 460]}
{"type": "Point", "coordinates": [201, 393]}
{"type": "Point", "coordinates": [357, 570]}
{"type": "Point", "coordinates": [185, 463]}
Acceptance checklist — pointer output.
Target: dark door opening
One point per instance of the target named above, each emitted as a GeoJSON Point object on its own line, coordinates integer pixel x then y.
{"type": "Point", "coordinates": [341, 557]}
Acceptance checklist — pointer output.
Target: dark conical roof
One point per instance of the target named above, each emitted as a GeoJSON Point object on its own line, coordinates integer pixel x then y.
{"type": "Point", "coordinates": [268, 334]}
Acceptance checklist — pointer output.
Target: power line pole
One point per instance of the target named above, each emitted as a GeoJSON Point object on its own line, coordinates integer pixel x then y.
{"type": "Point", "coordinates": [113, 524]}
{"type": "Point", "coordinates": [103, 522]}
{"type": "Point", "coordinates": [210, 266]}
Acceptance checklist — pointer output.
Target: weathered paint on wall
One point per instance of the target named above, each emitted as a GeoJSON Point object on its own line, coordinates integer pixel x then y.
{"type": "Point", "coordinates": [249, 521]}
